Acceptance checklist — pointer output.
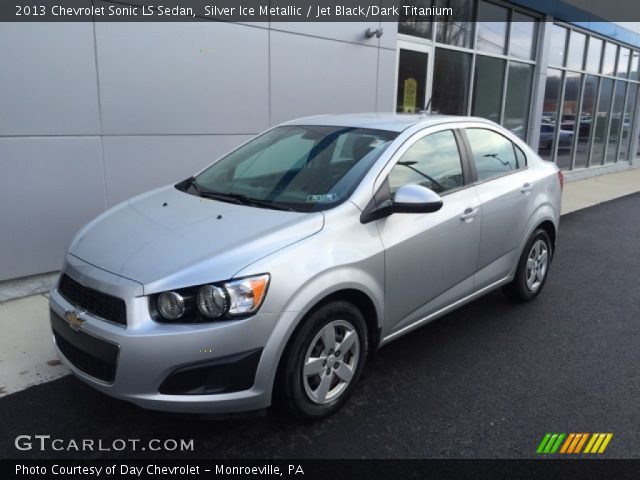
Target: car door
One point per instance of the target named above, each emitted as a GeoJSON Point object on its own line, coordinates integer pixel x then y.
{"type": "Point", "coordinates": [504, 186]}
{"type": "Point", "coordinates": [430, 258]}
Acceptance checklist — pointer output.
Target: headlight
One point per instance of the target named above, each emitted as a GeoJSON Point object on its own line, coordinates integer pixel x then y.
{"type": "Point", "coordinates": [246, 294]}
{"type": "Point", "coordinates": [171, 305]}
{"type": "Point", "coordinates": [235, 298]}
{"type": "Point", "coordinates": [212, 301]}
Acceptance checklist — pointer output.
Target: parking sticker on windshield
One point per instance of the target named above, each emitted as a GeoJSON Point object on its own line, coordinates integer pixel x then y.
{"type": "Point", "coordinates": [326, 197]}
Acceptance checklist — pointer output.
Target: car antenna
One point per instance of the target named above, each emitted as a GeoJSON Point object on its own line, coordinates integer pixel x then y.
{"type": "Point", "coordinates": [425, 110]}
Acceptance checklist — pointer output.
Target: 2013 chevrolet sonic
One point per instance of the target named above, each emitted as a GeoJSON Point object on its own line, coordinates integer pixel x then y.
{"type": "Point", "coordinates": [275, 272]}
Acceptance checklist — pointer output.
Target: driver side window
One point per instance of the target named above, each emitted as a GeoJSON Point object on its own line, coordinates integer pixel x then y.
{"type": "Point", "coordinates": [433, 162]}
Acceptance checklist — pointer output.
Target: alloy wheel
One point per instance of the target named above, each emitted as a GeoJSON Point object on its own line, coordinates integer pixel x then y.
{"type": "Point", "coordinates": [330, 362]}
{"type": "Point", "coordinates": [537, 264]}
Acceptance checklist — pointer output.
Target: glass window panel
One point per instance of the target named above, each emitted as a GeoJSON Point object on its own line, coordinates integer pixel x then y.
{"type": "Point", "coordinates": [412, 80]}
{"type": "Point", "coordinates": [492, 28]}
{"type": "Point", "coordinates": [572, 85]}
{"type": "Point", "coordinates": [602, 120]}
{"type": "Point", "coordinates": [522, 42]}
{"type": "Point", "coordinates": [558, 45]}
{"type": "Point", "coordinates": [594, 55]}
{"type": "Point", "coordinates": [609, 62]}
{"type": "Point", "coordinates": [487, 87]}
{"type": "Point", "coordinates": [456, 29]}
{"type": "Point", "coordinates": [575, 55]}
{"type": "Point", "coordinates": [627, 122]}
{"type": "Point", "coordinates": [493, 154]}
{"type": "Point", "coordinates": [450, 90]}
{"type": "Point", "coordinates": [415, 25]}
{"type": "Point", "coordinates": [635, 69]}
{"type": "Point", "coordinates": [589, 98]}
{"type": "Point", "coordinates": [615, 127]}
{"type": "Point", "coordinates": [433, 162]}
{"type": "Point", "coordinates": [550, 113]}
{"type": "Point", "coordinates": [623, 62]}
{"type": "Point", "coordinates": [516, 108]}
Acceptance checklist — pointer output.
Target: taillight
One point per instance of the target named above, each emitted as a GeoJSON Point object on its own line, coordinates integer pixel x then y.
{"type": "Point", "coordinates": [561, 179]}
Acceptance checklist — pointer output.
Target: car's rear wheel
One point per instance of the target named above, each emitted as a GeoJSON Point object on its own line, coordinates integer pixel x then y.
{"type": "Point", "coordinates": [533, 268]}
{"type": "Point", "coordinates": [324, 361]}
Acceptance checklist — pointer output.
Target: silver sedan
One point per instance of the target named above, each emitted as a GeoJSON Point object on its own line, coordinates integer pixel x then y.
{"type": "Point", "coordinates": [272, 275]}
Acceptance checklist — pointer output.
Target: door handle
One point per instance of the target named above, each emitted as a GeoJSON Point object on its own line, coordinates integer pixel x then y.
{"type": "Point", "coordinates": [526, 188]}
{"type": "Point", "coordinates": [468, 215]}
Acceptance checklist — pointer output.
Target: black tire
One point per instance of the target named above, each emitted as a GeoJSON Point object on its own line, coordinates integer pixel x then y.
{"type": "Point", "coordinates": [518, 289]}
{"type": "Point", "coordinates": [290, 389]}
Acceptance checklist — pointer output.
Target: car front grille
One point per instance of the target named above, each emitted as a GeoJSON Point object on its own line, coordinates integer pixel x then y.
{"type": "Point", "coordinates": [85, 361]}
{"type": "Point", "coordinates": [92, 301]}
{"type": "Point", "coordinates": [92, 355]}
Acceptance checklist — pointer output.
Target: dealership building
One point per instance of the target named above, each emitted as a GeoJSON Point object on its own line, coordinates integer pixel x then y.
{"type": "Point", "coordinates": [94, 113]}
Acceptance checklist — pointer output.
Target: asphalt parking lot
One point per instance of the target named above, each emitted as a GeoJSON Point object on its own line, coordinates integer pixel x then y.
{"type": "Point", "coordinates": [487, 381]}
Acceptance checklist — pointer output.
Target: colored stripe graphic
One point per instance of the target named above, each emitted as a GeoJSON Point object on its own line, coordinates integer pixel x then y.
{"type": "Point", "coordinates": [551, 443]}
{"type": "Point", "coordinates": [598, 443]}
{"type": "Point", "coordinates": [581, 443]}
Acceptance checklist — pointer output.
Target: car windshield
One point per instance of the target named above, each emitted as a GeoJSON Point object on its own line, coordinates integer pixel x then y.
{"type": "Point", "coordinates": [298, 168]}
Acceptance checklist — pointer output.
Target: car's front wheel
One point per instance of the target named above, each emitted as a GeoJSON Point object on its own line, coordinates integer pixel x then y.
{"type": "Point", "coordinates": [324, 360]}
{"type": "Point", "coordinates": [533, 268]}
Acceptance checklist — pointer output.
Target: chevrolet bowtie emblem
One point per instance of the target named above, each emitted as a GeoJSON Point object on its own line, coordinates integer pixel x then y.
{"type": "Point", "coordinates": [74, 321]}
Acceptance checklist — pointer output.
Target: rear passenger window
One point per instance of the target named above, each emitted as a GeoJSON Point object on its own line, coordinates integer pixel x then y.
{"type": "Point", "coordinates": [493, 154]}
{"type": "Point", "coordinates": [433, 162]}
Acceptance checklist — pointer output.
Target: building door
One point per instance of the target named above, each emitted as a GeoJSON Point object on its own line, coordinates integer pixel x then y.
{"type": "Point", "coordinates": [414, 77]}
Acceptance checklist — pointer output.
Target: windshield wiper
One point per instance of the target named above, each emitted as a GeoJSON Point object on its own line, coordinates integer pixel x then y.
{"type": "Point", "coordinates": [243, 200]}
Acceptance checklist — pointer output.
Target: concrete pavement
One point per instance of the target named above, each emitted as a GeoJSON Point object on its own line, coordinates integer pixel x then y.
{"type": "Point", "coordinates": [585, 193]}
{"type": "Point", "coordinates": [26, 352]}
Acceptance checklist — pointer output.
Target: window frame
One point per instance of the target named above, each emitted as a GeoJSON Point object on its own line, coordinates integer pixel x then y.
{"type": "Point", "coordinates": [467, 177]}
{"type": "Point", "coordinates": [471, 158]}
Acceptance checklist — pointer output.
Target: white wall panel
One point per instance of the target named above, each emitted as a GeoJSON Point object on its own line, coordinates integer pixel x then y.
{"type": "Point", "coordinates": [48, 82]}
{"type": "Point", "coordinates": [188, 78]}
{"type": "Point", "coordinates": [49, 188]}
{"type": "Point", "coordinates": [311, 76]}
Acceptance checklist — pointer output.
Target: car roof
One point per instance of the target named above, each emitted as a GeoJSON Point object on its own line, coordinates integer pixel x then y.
{"type": "Point", "coordinates": [383, 121]}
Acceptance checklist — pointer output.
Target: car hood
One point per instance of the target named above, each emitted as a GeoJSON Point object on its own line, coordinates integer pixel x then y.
{"type": "Point", "coordinates": [169, 239]}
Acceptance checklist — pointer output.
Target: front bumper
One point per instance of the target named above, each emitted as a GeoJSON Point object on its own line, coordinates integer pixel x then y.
{"type": "Point", "coordinates": [151, 358]}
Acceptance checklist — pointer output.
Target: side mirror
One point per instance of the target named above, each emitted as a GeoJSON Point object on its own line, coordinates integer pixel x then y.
{"type": "Point", "coordinates": [408, 199]}
{"type": "Point", "coordinates": [415, 199]}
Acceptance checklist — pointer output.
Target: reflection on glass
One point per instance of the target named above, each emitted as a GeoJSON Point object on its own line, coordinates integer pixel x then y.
{"type": "Point", "coordinates": [492, 28]}
{"type": "Point", "coordinates": [602, 120]}
{"type": "Point", "coordinates": [586, 120]}
{"type": "Point", "coordinates": [627, 121]}
{"type": "Point", "coordinates": [558, 45]}
{"type": "Point", "coordinates": [451, 74]}
{"type": "Point", "coordinates": [433, 162]}
{"type": "Point", "coordinates": [522, 43]}
{"type": "Point", "coordinates": [616, 121]}
{"type": "Point", "coordinates": [456, 29]}
{"type": "Point", "coordinates": [412, 80]}
{"type": "Point", "coordinates": [609, 61]}
{"type": "Point", "coordinates": [575, 55]}
{"type": "Point", "coordinates": [415, 25]}
{"type": "Point", "coordinates": [634, 74]}
{"type": "Point", "coordinates": [516, 108]}
{"type": "Point", "coordinates": [594, 55]}
{"type": "Point", "coordinates": [493, 154]}
{"type": "Point", "coordinates": [623, 62]}
{"type": "Point", "coordinates": [487, 87]}
{"type": "Point", "coordinates": [573, 82]}
{"type": "Point", "coordinates": [550, 113]}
